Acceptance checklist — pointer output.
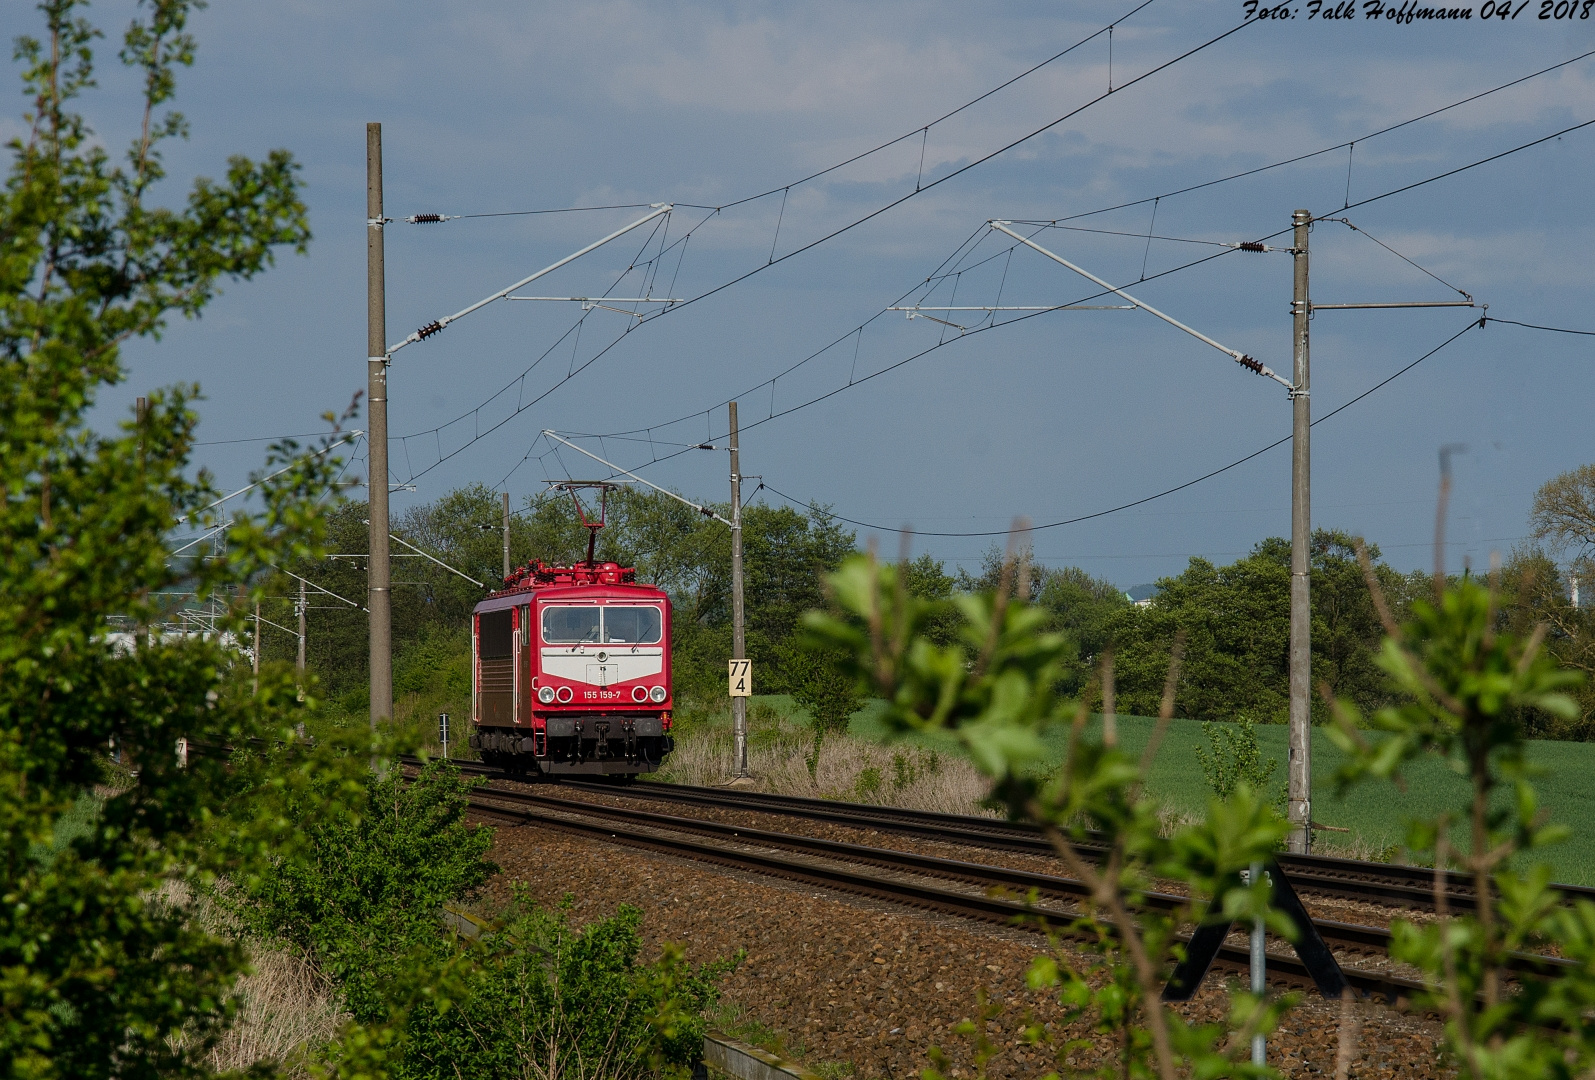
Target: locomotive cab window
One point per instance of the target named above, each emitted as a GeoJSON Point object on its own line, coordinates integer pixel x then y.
{"type": "Point", "coordinates": [631, 625]}
{"type": "Point", "coordinates": [569, 624]}
{"type": "Point", "coordinates": [496, 635]}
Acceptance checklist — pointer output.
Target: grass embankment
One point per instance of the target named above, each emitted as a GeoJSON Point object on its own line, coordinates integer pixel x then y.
{"type": "Point", "coordinates": [850, 767]}
{"type": "Point", "coordinates": [1375, 812]}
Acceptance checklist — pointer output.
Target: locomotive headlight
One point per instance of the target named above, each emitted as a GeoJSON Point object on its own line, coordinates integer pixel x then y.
{"type": "Point", "coordinates": [545, 694]}
{"type": "Point", "coordinates": [657, 693]}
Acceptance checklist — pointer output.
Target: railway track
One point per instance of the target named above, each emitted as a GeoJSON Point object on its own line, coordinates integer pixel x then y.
{"type": "Point", "coordinates": [1388, 884]}
{"type": "Point", "coordinates": [1352, 879]}
{"type": "Point", "coordinates": [990, 893]}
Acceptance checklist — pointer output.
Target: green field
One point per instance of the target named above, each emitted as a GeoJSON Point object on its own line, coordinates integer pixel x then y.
{"type": "Point", "coordinates": [1375, 812]}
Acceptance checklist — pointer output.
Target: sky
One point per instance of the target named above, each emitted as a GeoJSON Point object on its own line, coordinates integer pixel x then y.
{"type": "Point", "coordinates": [497, 108]}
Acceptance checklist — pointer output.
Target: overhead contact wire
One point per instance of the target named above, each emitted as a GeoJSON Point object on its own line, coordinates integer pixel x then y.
{"type": "Point", "coordinates": [1472, 325]}
{"type": "Point", "coordinates": [713, 211]}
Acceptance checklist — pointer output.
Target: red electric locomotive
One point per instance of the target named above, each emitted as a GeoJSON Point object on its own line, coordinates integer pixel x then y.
{"type": "Point", "coordinates": [571, 669]}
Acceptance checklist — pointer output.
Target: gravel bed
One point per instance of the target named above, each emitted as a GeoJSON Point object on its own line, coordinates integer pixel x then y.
{"type": "Point", "coordinates": [1059, 909]}
{"type": "Point", "coordinates": [846, 979]}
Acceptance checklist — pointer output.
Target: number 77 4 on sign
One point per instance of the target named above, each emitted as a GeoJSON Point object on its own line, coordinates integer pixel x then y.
{"type": "Point", "coordinates": [741, 678]}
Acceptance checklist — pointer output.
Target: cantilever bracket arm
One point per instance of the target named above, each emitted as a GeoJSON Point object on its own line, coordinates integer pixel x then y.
{"type": "Point", "coordinates": [440, 562]}
{"type": "Point", "coordinates": [1239, 357]}
{"type": "Point", "coordinates": [704, 510]}
{"type": "Point", "coordinates": [438, 324]}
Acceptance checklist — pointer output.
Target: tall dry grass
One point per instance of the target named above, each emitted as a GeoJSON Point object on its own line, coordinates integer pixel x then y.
{"type": "Point", "coordinates": [287, 1008]}
{"type": "Point", "coordinates": [847, 768]}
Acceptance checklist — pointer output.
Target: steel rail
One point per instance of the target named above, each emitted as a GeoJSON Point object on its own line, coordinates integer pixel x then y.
{"type": "Point", "coordinates": [1387, 883]}
{"type": "Point", "coordinates": [1390, 987]}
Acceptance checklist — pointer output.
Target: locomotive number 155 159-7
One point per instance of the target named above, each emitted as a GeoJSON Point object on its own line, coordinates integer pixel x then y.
{"type": "Point", "coordinates": [601, 695]}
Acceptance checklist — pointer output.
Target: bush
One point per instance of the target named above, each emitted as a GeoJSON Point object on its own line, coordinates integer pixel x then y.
{"type": "Point", "coordinates": [546, 999]}
{"type": "Point", "coordinates": [1235, 759]}
{"type": "Point", "coordinates": [534, 997]}
{"type": "Point", "coordinates": [365, 898]}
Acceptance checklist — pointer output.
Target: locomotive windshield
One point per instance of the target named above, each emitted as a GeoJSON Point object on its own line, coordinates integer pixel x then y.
{"type": "Point", "coordinates": [619, 624]}
{"type": "Point", "coordinates": [631, 625]}
{"type": "Point", "coordinates": [567, 625]}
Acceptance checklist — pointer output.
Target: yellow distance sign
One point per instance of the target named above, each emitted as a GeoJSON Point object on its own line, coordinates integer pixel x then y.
{"type": "Point", "coordinates": [741, 678]}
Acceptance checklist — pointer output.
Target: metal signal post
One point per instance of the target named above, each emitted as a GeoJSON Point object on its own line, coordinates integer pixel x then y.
{"type": "Point", "coordinates": [1300, 772]}
{"type": "Point", "coordinates": [378, 587]}
{"type": "Point", "coordinates": [1300, 776]}
{"type": "Point", "coordinates": [301, 609]}
{"type": "Point", "coordinates": [739, 634]}
{"type": "Point", "coordinates": [507, 567]}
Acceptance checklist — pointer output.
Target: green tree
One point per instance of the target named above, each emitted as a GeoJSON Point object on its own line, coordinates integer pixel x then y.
{"type": "Point", "coordinates": [928, 579]}
{"type": "Point", "coordinates": [1236, 619]}
{"type": "Point", "coordinates": [1539, 579]}
{"type": "Point", "coordinates": [822, 685]}
{"type": "Point", "coordinates": [1535, 592]}
{"type": "Point", "coordinates": [1086, 610]}
{"type": "Point", "coordinates": [101, 966]}
{"type": "Point", "coordinates": [1564, 510]}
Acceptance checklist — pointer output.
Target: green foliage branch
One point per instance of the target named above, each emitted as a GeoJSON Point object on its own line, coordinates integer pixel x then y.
{"type": "Point", "coordinates": [366, 900]}
{"type": "Point", "coordinates": [830, 694]}
{"type": "Point", "coordinates": [365, 894]}
{"type": "Point", "coordinates": [1467, 685]}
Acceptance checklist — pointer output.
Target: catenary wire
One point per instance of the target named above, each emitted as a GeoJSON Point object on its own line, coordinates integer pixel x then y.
{"type": "Point", "coordinates": [649, 317]}
{"type": "Point", "coordinates": [1337, 146]}
{"type": "Point", "coordinates": [774, 260]}
{"type": "Point", "coordinates": [1472, 325]}
{"type": "Point", "coordinates": [1408, 187]}
{"type": "Point", "coordinates": [522, 405]}
{"type": "Point", "coordinates": [1088, 213]}
{"type": "Point", "coordinates": [1122, 232]}
{"type": "Point", "coordinates": [1470, 165]}
{"type": "Point", "coordinates": [1537, 326]}
{"type": "Point", "coordinates": [653, 315]}
{"type": "Point", "coordinates": [774, 415]}
{"type": "Point", "coordinates": [263, 438]}
{"type": "Point", "coordinates": [1404, 188]}
{"type": "Point", "coordinates": [1107, 209]}
{"type": "Point", "coordinates": [973, 236]}
{"type": "Point", "coordinates": [977, 162]}
{"type": "Point", "coordinates": [859, 380]}
{"type": "Point", "coordinates": [921, 130]}
{"type": "Point", "coordinates": [832, 235]}
{"type": "Point", "coordinates": [562, 210]}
